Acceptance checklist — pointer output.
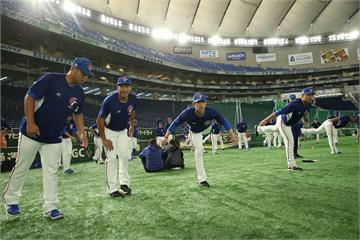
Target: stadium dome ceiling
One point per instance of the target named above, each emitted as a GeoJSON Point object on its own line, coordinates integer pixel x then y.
{"type": "Point", "coordinates": [236, 18]}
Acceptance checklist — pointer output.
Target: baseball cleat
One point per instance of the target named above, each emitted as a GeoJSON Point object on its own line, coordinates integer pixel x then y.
{"type": "Point", "coordinates": [295, 168]}
{"type": "Point", "coordinates": [12, 209]}
{"type": "Point", "coordinates": [116, 194]}
{"type": "Point", "coordinates": [204, 184]}
{"type": "Point", "coordinates": [68, 171]}
{"type": "Point", "coordinates": [54, 214]}
{"type": "Point", "coordinates": [125, 189]}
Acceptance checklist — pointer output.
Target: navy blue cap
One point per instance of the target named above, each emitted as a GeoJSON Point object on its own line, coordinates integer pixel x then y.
{"type": "Point", "coordinates": [199, 97]}
{"type": "Point", "coordinates": [84, 65]}
{"type": "Point", "coordinates": [124, 80]}
{"type": "Point", "coordinates": [308, 91]}
{"type": "Point", "coordinates": [292, 96]}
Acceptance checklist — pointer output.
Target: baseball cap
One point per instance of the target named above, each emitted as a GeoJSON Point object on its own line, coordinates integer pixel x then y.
{"type": "Point", "coordinates": [292, 96]}
{"type": "Point", "coordinates": [199, 97]}
{"type": "Point", "coordinates": [308, 91]}
{"type": "Point", "coordinates": [84, 65]}
{"type": "Point", "coordinates": [124, 80]}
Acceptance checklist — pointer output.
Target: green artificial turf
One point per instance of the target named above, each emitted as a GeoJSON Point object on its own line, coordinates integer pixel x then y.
{"type": "Point", "coordinates": [252, 195]}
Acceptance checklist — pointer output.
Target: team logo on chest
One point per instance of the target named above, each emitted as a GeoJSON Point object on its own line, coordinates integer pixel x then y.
{"type": "Point", "coordinates": [207, 122]}
{"type": "Point", "coordinates": [72, 102]}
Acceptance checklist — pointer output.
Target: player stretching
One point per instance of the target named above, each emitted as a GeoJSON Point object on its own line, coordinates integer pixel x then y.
{"type": "Point", "coordinates": [115, 113]}
{"type": "Point", "coordinates": [331, 127]}
{"type": "Point", "coordinates": [47, 104]}
{"type": "Point", "coordinates": [199, 118]}
{"type": "Point", "coordinates": [286, 118]}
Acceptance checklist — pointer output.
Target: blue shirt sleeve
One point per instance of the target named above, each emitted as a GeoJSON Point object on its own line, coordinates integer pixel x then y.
{"type": "Point", "coordinates": [40, 87]}
{"type": "Point", "coordinates": [223, 121]}
{"type": "Point", "coordinates": [177, 122]}
{"type": "Point", "coordinates": [104, 109]}
{"type": "Point", "coordinates": [285, 110]}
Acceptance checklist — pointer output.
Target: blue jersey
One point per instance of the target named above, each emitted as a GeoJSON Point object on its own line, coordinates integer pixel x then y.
{"type": "Point", "coordinates": [153, 156]}
{"type": "Point", "coordinates": [55, 100]}
{"type": "Point", "coordinates": [198, 124]}
{"type": "Point", "coordinates": [293, 112]}
{"type": "Point", "coordinates": [160, 132]}
{"type": "Point", "coordinates": [342, 122]}
{"type": "Point", "coordinates": [296, 129]}
{"type": "Point", "coordinates": [215, 128]}
{"type": "Point", "coordinates": [117, 114]}
{"type": "Point", "coordinates": [241, 127]}
{"type": "Point", "coordinates": [95, 128]}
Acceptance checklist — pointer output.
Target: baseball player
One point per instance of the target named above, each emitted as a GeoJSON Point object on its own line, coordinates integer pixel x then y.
{"type": "Point", "coordinates": [221, 141]}
{"type": "Point", "coordinates": [167, 125]}
{"type": "Point", "coordinates": [328, 127]}
{"type": "Point", "coordinates": [98, 144]}
{"type": "Point", "coordinates": [241, 128]}
{"type": "Point", "coordinates": [133, 140]}
{"type": "Point", "coordinates": [357, 122]}
{"type": "Point", "coordinates": [288, 116]}
{"type": "Point", "coordinates": [335, 131]}
{"type": "Point", "coordinates": [316, 124]}
{"type": "Point", "coordinates": [5, 129]}
{"type": "Point", "coordinates": [269, 135]}
{"type": "Point", "coordinates": [276, 135]}
{"type": "Point", "coordinates": [47, 104]}
{"type": "Point", "coordinates": [159, 133]}
{"type": "Point", "coordinates": [214, 135]}
{"type": "Point", "coordinates": [187, 134]}
{"type": "Point", "coordinates": [116, 111]}
{"type": "Point", "coordinates": [68, 138]}
{"type": "Point", "coordinates": [199, 118]}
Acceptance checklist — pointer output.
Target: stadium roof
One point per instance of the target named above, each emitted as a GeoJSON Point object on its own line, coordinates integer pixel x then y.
{"type": "Point", "coordinates": [236, 18]}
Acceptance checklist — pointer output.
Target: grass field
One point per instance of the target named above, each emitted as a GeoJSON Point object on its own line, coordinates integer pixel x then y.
{"type": "Point", "coordinates": [252, 195]}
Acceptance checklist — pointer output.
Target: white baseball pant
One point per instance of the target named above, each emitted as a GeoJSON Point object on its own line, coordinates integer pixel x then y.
{"type": "Point", "coordinates": [288, 138]}
{"type": "Point", "coordinates": [214, 142]}
{"type": "Point", "coordinates": [66, 153]}
{"type": "Point", "coordinates": [99, 148]}
{"type": "Point", "coordinates": [121, 146]}
{"type": "Point", "coordinates": [242, 137]}
{"type": "Point", "coordinates": [327, 127]}
{"type": "Point", "coordinates": [50, 159]}
{"type": "Point", "coordinates": [277, 139]}
{"type": "Point", "coordinates": [199, 154]}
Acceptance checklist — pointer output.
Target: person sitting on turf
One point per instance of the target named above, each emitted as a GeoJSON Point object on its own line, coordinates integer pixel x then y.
{"type": "Point", "coordinates": [151, 157]}
{"type": "Point", "coordinates": [173, 156]}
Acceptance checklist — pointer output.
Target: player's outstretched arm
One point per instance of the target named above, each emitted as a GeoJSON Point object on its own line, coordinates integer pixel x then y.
{"type": "Point", "coordinates": [267, 119]}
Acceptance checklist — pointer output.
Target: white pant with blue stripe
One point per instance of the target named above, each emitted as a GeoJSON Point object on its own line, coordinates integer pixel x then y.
{"type": "Point", "coordinates": [117, 169]}
{"type": "Point", "coordinates": [287, 136]}
{"type": "Point", "coordinates": [197, 139]}
{"type": "Point", "coordinates": [50, 160]}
